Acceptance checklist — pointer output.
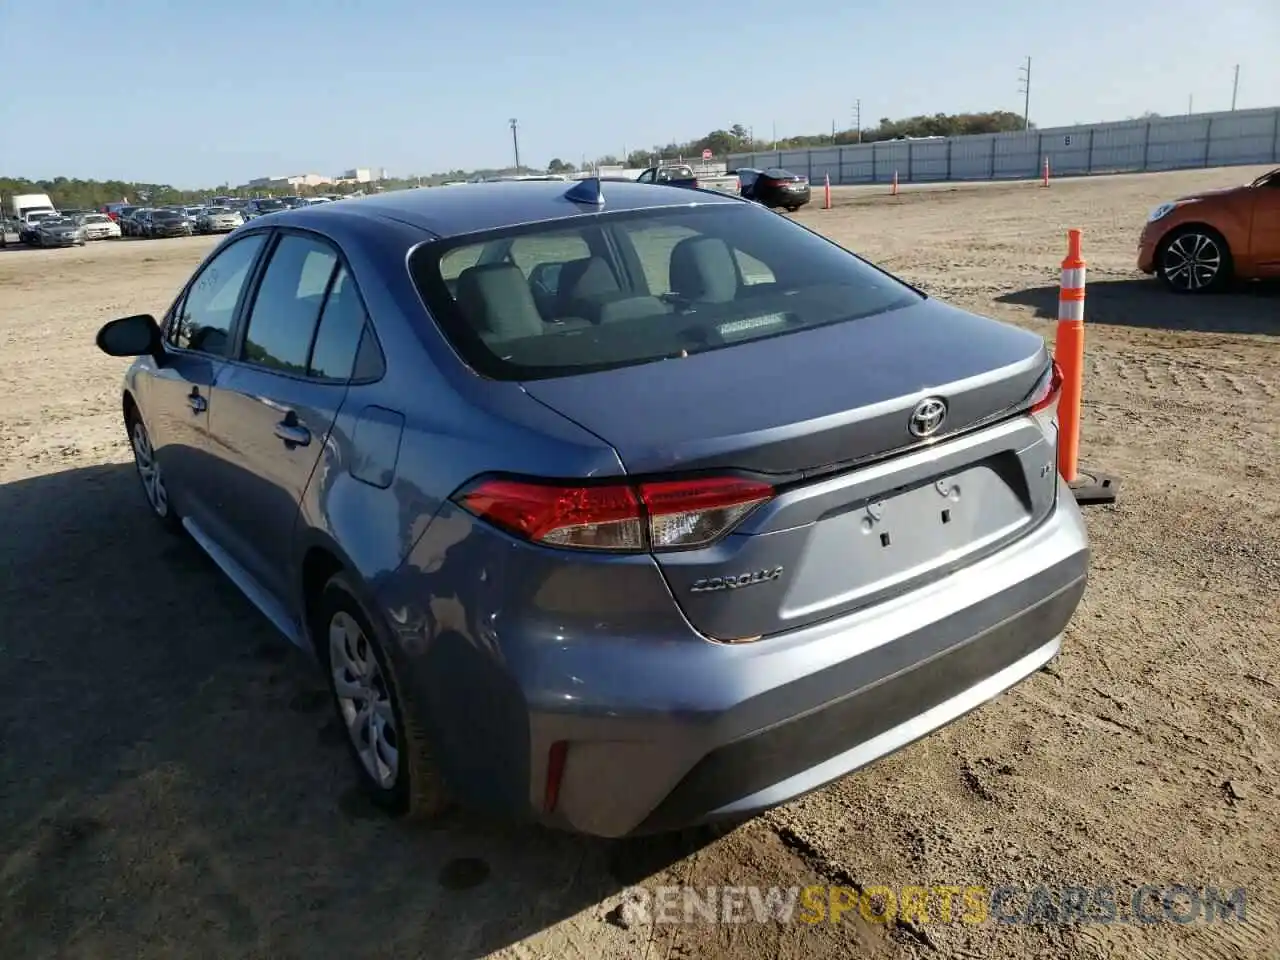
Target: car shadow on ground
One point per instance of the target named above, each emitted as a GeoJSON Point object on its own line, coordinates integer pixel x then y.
{"type": "Point", "coordinates": [1146, 303]}
{"type": "Point", "coordinates": [173, 782]}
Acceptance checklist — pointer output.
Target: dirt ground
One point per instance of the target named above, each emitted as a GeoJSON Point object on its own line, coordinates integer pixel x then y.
{"type": "Point", "coordinates": [170, 785]}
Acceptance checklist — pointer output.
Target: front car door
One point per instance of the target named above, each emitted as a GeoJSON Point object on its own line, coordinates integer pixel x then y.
{"type": "Point", "coordinates": [175, 400]}
{"type": "Point", "coordinates": [1264, 239]}
{"type": "Point", "coordinates": [276, 402]}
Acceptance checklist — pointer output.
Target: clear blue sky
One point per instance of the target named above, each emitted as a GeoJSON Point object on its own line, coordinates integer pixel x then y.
{"type": "Point", "coordinates": [195, 93]}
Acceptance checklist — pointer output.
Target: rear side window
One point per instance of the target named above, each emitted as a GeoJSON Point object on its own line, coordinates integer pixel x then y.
{"type": "Point", "coordinates": [620, 289]}
{"type": "Point", "coordinates": [342, 323]}
{"type": "Point", "coordinates": [287, 306]}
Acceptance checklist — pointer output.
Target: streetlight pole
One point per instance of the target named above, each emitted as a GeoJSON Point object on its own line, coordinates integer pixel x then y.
{"type": "Point", "coordinates": [515, 142]}
{"type": "Point", "coordinates": [1235, 87]}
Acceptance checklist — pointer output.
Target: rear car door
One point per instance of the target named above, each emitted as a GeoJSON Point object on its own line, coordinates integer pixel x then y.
{"type": "Point", "coordinates": [279, 396]}
{"type": "Point", "coordinates": [178, 396]}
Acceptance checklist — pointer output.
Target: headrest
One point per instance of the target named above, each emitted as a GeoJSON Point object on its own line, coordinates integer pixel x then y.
{"type": "Point", "coordinates": [703, 268]}
{"type": "Point", "coordinates": [497, 300]}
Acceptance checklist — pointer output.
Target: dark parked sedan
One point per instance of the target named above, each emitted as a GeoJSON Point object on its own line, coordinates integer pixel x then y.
{"type": "Point", "coordinates": [168, 223]}
{"type": "Point", "coordinates": [59, 232]}
{"type": "Point", "coordinates": [620, 513]}
{"type": "Point", "coordinates": [260, 208]}
{"type": "Point", "coordinates": [775, 187]}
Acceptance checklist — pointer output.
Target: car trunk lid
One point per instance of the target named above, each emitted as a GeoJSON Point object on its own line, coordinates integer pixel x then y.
{"type": "Point", "coordinates": [865, 508]}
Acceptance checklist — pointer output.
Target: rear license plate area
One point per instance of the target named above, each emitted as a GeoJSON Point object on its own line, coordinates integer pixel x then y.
{"type": "Point", "coordinates": [904, 534]}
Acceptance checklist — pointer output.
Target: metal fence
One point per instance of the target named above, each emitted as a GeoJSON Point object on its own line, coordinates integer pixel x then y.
{"type": "Point", "coordinates": [1128, 146]}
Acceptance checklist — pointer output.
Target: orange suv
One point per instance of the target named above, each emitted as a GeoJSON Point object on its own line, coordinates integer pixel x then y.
{"type": "Point", "coordinates": [1199, 243]}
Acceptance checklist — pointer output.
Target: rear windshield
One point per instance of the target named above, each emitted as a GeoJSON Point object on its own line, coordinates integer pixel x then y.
{"type": "Point", "coordinates": [777, 173]}
{"type": "Point", "coordinates": [166, 215]}
{"type": "Point", "coordinates": [615, 290]}
{"type": "Point", "coordinates": [270, 204]}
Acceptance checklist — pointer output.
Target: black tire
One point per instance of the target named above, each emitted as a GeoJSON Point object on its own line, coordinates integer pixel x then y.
{"type": "Point", "coordinates": [164, 511]}
{"type": "Point", "coordinates": [417, 790]}
{"type": "Point", "coordinates": [1194, 259]}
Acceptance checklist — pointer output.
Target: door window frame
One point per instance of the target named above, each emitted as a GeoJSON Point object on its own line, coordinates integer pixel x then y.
{"type": "Point", "coordinates": [175, 310]}
{"type": "Point", "coordinates": [244, 312]}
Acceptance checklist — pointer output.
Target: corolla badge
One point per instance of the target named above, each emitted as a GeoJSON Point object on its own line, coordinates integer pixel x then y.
{"type": "Point", "coordinates": [709, 584]}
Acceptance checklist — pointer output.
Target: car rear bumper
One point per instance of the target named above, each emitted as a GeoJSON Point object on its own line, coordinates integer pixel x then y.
{"type": "Point", "coordinates": [664, 734]}
{"type": "Point", "coordinates": [787, 198]}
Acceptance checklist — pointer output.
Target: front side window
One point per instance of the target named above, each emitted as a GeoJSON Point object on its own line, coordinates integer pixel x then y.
{"type": "Point", "coordinates": [204, 319]}
{"type": "Point", "coordinates": [286, 308]}
{"type": "Point", "coordinates": [614, 290]}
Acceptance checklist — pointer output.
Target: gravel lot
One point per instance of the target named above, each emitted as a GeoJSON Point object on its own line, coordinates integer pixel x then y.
{"type": "Point", "coordinates": [170, 784]}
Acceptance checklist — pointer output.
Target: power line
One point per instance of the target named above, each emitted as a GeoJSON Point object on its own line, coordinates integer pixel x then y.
{"type": "Point", "coordinates": [1024, 77]}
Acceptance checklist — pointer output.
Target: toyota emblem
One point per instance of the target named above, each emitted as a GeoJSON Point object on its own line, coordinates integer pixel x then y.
{"type": "Point", "coordinates": [928, 416]}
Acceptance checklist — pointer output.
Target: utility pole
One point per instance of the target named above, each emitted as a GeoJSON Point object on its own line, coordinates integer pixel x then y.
{"type": "Point", "coordinates": [857, 119]}
{"type": "Point", "coordinates": [1235, 87]}
{"type": "Point", "coordinates": [1191, 99]}
{"type": "Point", "coordinates": [1024, 76]}
{"type": "Point", "coordinates": [515, 143]}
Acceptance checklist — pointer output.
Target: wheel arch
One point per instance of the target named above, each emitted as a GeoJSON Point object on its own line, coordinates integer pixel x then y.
{"type": "Point", "coordinates": [320, 558]}
{"type": "Point", "coordinates": [1192, 225]}
{"type": "Point", "coordinates": [128, 405]}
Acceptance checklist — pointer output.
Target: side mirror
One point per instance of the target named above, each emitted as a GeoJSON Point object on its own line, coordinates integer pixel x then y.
{"type": "Point", "coordinates": [136, 336]}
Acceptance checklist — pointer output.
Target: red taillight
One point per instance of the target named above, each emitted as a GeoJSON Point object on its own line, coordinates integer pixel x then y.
{"type": "Point", "coordinates": [1048, 390]}
{"type": "Point", "coordinates": [655, 515]}
{"type": "Point", "coordinates": [595, 517]}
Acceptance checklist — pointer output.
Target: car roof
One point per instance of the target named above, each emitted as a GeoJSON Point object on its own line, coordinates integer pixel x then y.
{"type": "Point", "coordinates": [491, 206]}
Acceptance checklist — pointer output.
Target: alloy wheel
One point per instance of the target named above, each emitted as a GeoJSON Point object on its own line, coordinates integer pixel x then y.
{"type": "Point", "coordinates": [149, 471]}
{"type": "Point", "coordinates": [363, 699]}
{"type": "Point", "coordinates": [1192, 261]}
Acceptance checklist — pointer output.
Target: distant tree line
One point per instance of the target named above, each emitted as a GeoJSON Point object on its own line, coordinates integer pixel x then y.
{"type": "Point", "coordinates": [85, 194]}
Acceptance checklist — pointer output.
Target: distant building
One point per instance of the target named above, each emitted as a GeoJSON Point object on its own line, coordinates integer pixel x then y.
{"type": "Point", "coordinates": [296, 180]}
{"type": "Point", "coordinates": [356, 175]}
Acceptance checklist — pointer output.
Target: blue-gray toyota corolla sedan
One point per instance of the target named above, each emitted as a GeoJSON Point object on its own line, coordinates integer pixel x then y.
{"type": "Point", "coordinates": [615, 506]}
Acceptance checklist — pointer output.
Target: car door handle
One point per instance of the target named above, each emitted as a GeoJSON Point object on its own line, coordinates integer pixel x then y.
{"type": "Point", "coordinates": [197, 403]}
{"type": "Point", "coordinates": [292, 432]}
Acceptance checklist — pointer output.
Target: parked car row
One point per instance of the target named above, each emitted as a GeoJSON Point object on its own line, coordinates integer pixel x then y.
{"type": "Point", "coordinates": [65, 228]}
{"type": "Point", "coordinates": [175, 221]}
{"type": "Point", "coordinates": [222, 215]}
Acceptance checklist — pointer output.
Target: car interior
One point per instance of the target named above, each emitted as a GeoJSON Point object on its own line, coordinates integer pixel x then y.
{"type": "Point", "coordinates": [632, 290]}
{"type": "Point", "coordinates": [503, 303]}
